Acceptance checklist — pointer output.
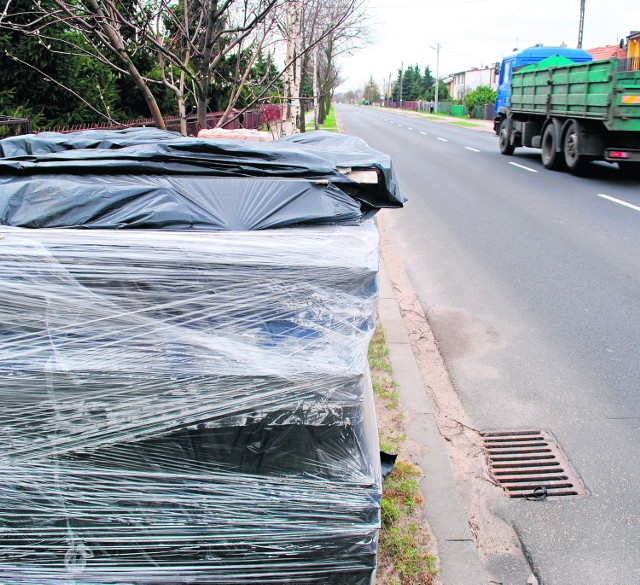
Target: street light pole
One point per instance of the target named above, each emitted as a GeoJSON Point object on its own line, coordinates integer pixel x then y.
{"type": "Point", "coordinates": [401, 72]}
{"type": "Point", "coordinates": [437, 50]}
{"type": "Point", "coordinates": [580, 29]}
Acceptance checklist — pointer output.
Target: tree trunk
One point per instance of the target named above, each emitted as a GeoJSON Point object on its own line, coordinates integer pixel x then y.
{"type": "Point", "coordinates": [294, 43]}
{"type": "Point", "coordinates": [322, 114]}
{"type": "Point", "coordinates": [182, 113]}
{"type": "Point", "coordinates": [303, 121]}
{"type": "Point", "coordinates": [204, 70]}
{"type": "Point", "coordinates": [327, 90]}
{"type": "Point", "coordinates": [116, 40]}
{"type": "Point", "coordinates": [316, 88]}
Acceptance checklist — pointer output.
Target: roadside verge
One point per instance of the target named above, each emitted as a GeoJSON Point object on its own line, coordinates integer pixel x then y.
{"type": "Point", "coordinates": [458, 557]}
{"type": "Point", "coordinates": [457, 553]}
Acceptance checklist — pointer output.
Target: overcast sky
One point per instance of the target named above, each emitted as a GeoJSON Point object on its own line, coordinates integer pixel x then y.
{"type": "Point", "coordinates": [474, 33]}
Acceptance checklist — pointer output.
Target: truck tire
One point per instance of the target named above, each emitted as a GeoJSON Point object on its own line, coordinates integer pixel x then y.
{"type": "Point", "coordinates": [503, 139]}
{"type": "Point", "coordinates": [551, 158]}
{"type": "Point", "coordinates": [575, 161]}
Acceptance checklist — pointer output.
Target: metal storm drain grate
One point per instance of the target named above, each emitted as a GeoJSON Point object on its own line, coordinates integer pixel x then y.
{"type": "Point", "coordinates": [529, 464]}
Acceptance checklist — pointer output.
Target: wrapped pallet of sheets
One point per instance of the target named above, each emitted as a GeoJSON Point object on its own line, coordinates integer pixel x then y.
{"type": "Point", "coordinates": [186, 397]}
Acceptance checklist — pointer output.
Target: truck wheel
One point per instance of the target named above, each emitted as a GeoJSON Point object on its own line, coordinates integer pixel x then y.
{"type": "Point", "coordinates": [503, 139]}
{"type": "Point", "coordinates": [551, 158]}
{"type": "Point", "coordinates": [576, 162]}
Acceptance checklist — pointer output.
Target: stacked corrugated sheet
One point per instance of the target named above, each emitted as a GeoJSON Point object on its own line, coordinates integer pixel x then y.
{"type": "Point", "coordinates": [188, 402]}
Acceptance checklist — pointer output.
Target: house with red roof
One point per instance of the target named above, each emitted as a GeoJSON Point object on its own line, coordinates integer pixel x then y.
{"type": "Point", "coordinates": [608, 52]}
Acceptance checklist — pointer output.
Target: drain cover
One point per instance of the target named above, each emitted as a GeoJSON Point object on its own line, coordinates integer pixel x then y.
{"type": "Point", "coordinates": [529, 464]}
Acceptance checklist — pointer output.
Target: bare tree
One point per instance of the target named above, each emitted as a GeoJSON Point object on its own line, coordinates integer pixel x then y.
{"type": "Point", "coordinates": [315, 32]}
{"type": "Point", "coordinates": [349, 35]}
{"type": "Point", "coordinates": [188, 40]}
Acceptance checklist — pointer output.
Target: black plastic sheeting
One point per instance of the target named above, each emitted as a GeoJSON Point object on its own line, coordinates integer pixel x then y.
{"type": "Point", "coordinates": [153, 179]}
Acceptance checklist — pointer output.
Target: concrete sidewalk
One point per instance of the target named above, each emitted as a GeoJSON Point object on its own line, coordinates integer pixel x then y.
{"type": "Point", "coordinates": [456, 549]}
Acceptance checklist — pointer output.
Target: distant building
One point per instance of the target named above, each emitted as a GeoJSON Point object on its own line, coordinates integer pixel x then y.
{"type": "Point", "coordinates": [463, 82]}
{"type": "Point", "coordinates": [633, 50]}
{"type": "Point", "coordinates": [608, 52]}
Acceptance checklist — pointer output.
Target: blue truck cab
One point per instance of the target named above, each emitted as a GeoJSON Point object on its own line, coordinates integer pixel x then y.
{"type": "Point", "coordinates": [528, 57]}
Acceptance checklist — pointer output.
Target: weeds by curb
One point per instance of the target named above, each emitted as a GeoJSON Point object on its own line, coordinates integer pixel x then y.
{"type": "Point", "coordinates": [405, 556]}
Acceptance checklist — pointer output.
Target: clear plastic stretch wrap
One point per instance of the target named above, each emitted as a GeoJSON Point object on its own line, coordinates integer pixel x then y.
{"type": "Point", "coordinates": [185, 406]}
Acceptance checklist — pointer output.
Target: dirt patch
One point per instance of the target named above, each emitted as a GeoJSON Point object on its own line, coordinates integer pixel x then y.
{"type": "Point", "coordinates": [465, 337]}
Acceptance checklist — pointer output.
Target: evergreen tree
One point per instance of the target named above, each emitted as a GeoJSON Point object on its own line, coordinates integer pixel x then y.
{"type": "Point", "coordinates": [428, 84]}
{"type": "Point", "coordinates": [371, 91]}
{"type": "Point", "coordinates": [415, 91]}
{"type": "Point", "coordinates": [415, 84]}
{"type": "Point", "coordinates": [29, 66]}
{"type": "Point", "coordinates": [407, 84]}
{"type": "Point", "coordinates": [396, 86]}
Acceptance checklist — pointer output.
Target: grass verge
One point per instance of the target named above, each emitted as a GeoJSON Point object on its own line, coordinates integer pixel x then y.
{"type": "Point", "coordinates": [464, 124]}
{"type": "Point", "coordinates": [330, 122]}
{"type": "Point", "coordinates": [405, 556]}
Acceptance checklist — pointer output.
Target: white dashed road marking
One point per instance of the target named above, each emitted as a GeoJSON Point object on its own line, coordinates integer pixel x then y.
{"type": "Point", "coordinates": [523, 167]}
{"type": "Point", "coordinates": [472, 149]}
{"type": "Point", "coordinates": [409, 128]}
{"type": "Point", "coordinates": [443, 139]}
{"type": "Point", "coordinates": [609, 198]}
{"type": "Point", "coordinates": [421, 132]}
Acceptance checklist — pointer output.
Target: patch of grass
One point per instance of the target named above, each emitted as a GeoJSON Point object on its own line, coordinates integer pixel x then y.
{"type": "Point", "coordinates": [403, 545]}
{"type": "Point", "coordinates": [464, 124]}
{"type": "Point", "coordinates": [413, 565]}
{"type": "Point", "coordinates": [404, 552]}
{"type": "Point", "coordinates": [330, 122]}
{"type": "Point", "coordinates": [379, 352]}
{"type": "Point", "coordinates": [429, 116]}
{"type": "Point", "coordinates": [384, 386]}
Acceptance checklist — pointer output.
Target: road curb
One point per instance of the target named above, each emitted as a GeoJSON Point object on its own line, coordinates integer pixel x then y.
{"type": "Point", "coordinates": [443, 510]}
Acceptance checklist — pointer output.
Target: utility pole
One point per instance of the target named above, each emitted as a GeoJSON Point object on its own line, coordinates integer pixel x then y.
{"type": "Point", "coordinates": [437, 50]}
{"type": "Point", "coordinates": [401, 73]}
{"type": "Point", "coordinates": [582, 3]}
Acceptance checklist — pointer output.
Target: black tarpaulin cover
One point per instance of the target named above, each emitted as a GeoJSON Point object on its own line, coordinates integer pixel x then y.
{"type": "Point", "coordinates": [153, 179]}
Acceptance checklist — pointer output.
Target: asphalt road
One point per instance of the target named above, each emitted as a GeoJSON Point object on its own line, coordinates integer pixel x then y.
{"type": "Point", "coordinates": [532, 283]}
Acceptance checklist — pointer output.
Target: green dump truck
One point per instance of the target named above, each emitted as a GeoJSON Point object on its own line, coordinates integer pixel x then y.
{"type": "Point", "coordinates": [575, 113]}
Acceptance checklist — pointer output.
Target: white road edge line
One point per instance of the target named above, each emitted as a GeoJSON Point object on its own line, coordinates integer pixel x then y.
{"type": "Point", "coordinates": [630, 205]}
{"type": "Point", "coordinates": [443, 139]}
{"type": "Point", "coordinates": [424, 133]}
{"type": "Point", "coordinates": [523, 167]}
{"type": "Point", "coordinates": [472, 149]}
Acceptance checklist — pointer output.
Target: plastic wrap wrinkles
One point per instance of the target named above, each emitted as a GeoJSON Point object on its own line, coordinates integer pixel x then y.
{"type": "Point", "coordinates": [145, 178]}
{"type": "Point", "coordinates": [187, 407]}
